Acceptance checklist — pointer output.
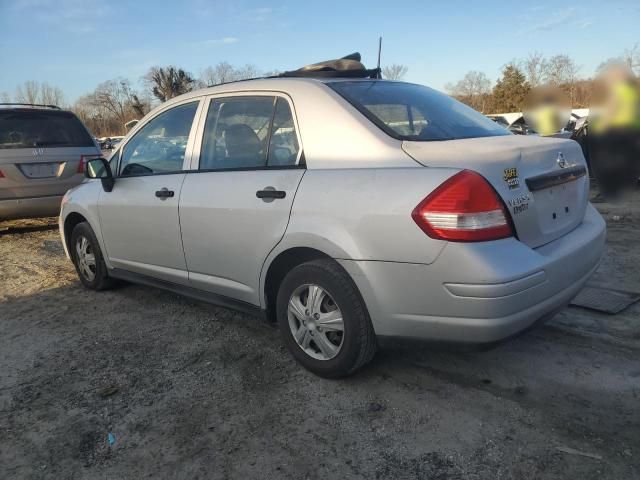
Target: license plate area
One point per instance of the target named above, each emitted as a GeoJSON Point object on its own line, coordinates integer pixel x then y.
{"type": "Point", "coordinates": [557, 206]}
{"type": "Point", "coordinates": [42, 170]}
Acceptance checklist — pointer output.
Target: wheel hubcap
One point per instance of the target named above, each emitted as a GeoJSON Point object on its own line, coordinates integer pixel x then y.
{"type": "Point", "coordinates": [86, 258]}
{"type": "Point", "coordinates": [316, 322]}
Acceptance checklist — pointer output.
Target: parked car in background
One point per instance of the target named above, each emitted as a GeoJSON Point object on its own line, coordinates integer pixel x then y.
{"type": "Point", "coordinates": [43, 150]}
{"type": "Point", "coordinates": [500, 120]}
{"type": "Point", "coordinates": [244, 195]}
{"type": "Point", "coordinates": [115, 141]}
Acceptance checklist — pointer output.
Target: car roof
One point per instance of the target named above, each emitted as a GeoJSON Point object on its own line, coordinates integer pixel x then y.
{"type": "Point", "coordinates": [9, 106]}
{"type": "Point", "coordinates": [276, 84]}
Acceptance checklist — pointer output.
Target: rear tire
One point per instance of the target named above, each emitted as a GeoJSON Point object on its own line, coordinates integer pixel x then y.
{"type": "Point", "coordinates": [88, 260]}
{"type": "Point", "coordinates": [324, 320]}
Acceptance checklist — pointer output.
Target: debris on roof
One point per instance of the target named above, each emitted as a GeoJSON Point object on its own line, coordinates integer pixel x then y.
{"type": "Point", "coordinates": [349, 66]}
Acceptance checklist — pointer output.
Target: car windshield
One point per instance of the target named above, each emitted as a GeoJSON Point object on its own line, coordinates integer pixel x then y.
{"type": "Point", "coordinates": [413, 112]}
{"type": "Point", "coordinates": [38, 128]}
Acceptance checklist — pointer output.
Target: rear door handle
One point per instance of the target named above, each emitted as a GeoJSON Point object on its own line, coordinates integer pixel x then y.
{"type": "Point", "coordinates": [270, 193]}
{"type": "Point", "coordinates": [164, 193]}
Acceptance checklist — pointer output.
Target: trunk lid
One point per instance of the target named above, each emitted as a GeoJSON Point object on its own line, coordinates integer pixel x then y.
{"type": "Point", "coordinates": [542, 181]}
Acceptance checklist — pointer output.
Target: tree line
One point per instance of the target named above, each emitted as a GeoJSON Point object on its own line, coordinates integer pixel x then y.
{"type": "Point", "coordinates": [520, 76]}
{"type": "Point", "coordinates": [107, 109]}
{"type": "Point", "coordinates": [114, 103]}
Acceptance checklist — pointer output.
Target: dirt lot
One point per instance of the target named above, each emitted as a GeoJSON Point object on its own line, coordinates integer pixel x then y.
{"type": "Point", "coordinates": [136, 383]}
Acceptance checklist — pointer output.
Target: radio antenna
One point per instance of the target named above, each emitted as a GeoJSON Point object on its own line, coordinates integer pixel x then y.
{"type": "Point", "coordinates": [379, 52]}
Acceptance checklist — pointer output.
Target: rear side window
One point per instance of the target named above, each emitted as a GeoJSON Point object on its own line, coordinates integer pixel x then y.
{"type": "Point", "coordinates": [42, 128]}
{"type": "Point", "coordinates": [236, 133]}
{"type": "Point", "coordinates": [283, 148]}
{"type": "Point", "coordinates": [413, 112]}
{"type": "Point", "coordinates": [249, 132]}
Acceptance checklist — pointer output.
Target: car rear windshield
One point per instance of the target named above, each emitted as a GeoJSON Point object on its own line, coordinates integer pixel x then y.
{"type": "Point", "coordinates": [37, 128]}
{"type": "Point", "coordinates": [413, 112]}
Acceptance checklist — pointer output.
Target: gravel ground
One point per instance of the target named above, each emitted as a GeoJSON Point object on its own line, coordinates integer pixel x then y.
{"type": "Point", "coordinates": [136, 382]}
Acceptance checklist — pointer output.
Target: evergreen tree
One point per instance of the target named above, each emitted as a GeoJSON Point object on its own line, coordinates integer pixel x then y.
{"type": "Point", "coordinates": [510, 91]}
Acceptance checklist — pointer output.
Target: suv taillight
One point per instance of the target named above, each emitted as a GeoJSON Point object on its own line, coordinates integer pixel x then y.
{"type": "Point", "coordinates": [84, 159]}
{"type": "Point", "coordinates": [465, 208]}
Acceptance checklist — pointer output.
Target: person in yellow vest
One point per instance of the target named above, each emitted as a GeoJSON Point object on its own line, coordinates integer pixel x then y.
{"type": "Point", "coordinates": [614, 131]}
{"type": "Point", "coordinates": [547, 110]}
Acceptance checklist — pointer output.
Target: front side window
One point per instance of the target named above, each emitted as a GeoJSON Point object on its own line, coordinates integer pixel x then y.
{"type": "Point", "coordinates": [160, 145]}
{"type": "Point", "coordinates": [412, 112]}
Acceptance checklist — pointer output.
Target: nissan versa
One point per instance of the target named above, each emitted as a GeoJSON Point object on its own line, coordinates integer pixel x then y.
{"type": "Point", "coordinates": [345, 209]}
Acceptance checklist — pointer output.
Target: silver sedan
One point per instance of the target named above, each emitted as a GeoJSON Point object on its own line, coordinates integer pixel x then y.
{"type": "Point", "coordinates": [347, 210]}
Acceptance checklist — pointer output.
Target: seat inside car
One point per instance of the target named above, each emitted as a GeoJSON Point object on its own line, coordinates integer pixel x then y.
{"type": "Point", "coordinates": [243, 147]}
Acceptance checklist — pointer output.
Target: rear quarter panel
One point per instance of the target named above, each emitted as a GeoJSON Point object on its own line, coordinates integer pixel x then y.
{"type": "Point", "coordinates": [364, 214]}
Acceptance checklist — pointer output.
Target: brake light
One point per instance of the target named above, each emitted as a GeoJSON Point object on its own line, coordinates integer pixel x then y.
{"type": "Point", "coordinates": [83, 160]}
{"type": "Point", "coordinates": [1, 174]}
{"type": "Point", "coordinates": [465, 208]}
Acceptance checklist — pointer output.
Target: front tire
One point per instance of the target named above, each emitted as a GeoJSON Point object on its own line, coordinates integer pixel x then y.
{"type": "Point", "coordinates": [87, 258]}
{"type": "Point", "coordinates": [323, 319]}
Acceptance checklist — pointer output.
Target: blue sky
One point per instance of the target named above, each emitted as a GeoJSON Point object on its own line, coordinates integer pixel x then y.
{"type": "Point", "coordinates": [76, 44]}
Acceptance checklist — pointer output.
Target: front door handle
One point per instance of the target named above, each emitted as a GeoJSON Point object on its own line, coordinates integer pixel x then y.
{"type": "Point", "coordinates": [164, 193]}
{"type": "Point", "coordinates": [269, 193]}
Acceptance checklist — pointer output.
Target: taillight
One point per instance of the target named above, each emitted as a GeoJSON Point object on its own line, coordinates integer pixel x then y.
{"type": "Point", "coordinates": [465, 208]}
{"type": "Point", "coordinates": [1, 174]}
{"type": "Point", "coordinates": [84, 159]}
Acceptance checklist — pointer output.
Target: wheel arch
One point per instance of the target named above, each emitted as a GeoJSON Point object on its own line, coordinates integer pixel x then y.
{"type": "Point", "coordinates": [70, 222]}
{"type": "Point", "coordinates": [278, 268]}
{"type": "Point", "coordinates": [72, 216]}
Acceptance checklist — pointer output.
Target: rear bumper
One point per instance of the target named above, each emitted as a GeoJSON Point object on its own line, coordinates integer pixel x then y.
{"type": "Point", "coordinates": [48, 206]}
{"type": "Point", "coordinates": [481, 292]}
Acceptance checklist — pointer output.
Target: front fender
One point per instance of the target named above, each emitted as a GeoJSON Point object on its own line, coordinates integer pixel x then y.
{"type": "Point", "coordinates": [83, 200]}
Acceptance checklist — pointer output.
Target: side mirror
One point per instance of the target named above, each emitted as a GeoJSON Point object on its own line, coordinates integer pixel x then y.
{"type": "Point", "coordinates": [100, 168]}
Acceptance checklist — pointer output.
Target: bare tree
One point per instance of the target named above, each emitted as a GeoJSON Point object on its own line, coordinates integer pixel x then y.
{"type": "Point", "coordinates": [4, 97]}
{"type": "Point", "coordinates": [29, 92]}
{"type": "Point", "coordinates": [169, 82]}
{"type": "Point", "coordinates": [115, 96]}
{"type": "Point", "coordinates": [221, 73]}
{"type": "Point", "coordinates": [395, 72]}
{"type": "Point", "coordinates": [473, 89]}
{"type": "Point", "coordinates": [247, 72]}
{"type": "Point", "coordinates": [535, 67]}
{"type": "Point", "coordinates": [561, 70]}
{"type": "Point", "coordinates": [224, 72]}
{"type": "Point", "coordinates": [51, 95]}
{"type": "Point", "coordinates": [98, 120]}
{"type": "Point", "coordinates": [35, 92]}
{"type": "Point", "coordinates": [631, 57]}
{"type": "Point", "coordinates": [114, 103]}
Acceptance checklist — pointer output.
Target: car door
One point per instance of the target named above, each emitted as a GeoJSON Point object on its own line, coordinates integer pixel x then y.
{"type": "Point", "coordinates": [139, 217]}
{"type": "Point", "coordinates": [235, 208]}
